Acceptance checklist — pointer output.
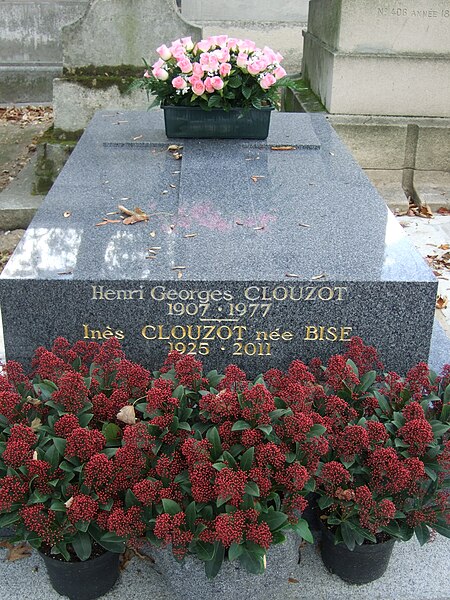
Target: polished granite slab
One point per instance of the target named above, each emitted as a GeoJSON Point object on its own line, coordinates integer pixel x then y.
{"type": "Point", "coordinates": [255, 252]}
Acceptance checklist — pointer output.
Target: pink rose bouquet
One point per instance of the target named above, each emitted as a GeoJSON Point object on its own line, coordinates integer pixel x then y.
{"type": "Point", "coordinates": [218, 72]}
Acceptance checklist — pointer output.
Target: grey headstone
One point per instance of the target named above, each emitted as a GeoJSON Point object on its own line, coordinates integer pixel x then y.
{"type": "Point", "coordinates": [294, 251]}
{"type": "Point", "coordinates": [121, 32]}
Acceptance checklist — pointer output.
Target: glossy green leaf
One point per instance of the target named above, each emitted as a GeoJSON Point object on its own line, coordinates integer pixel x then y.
{"type": "Point", "coordinates": [170, 506]}
{"type": "Point", "coordinates": [212, 567]}
{"type": "Point", "coordinates": [82, 545]}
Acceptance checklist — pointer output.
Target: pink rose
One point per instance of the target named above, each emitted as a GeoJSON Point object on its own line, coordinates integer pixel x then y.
{"type": "Point", "coordinates": [217, 83]}
{"type": "Point", "coordinates": [160, 74]}
{"type": "Point", "coordinates": [164, 52]}
{"type": "Point", "coordinates": [232, 43]}
{"type": "Point", "coordinates": [223, 55]}
{"type": "Point", "coordinates": [271, 55]}
{"type": "Point", "coordinates": [267, 81]}
{"type": "Point", "coordinates": [187, 43]}
{"type": "Point", "coordinates": [208, 85]}
{"type": "Point", "coordinates": [158, 64]}
{"type": "Point", "coordinates": [247, 46]}
{"type": "Point", "coordinates": [204, 45]}
{"type": "Point", "coordinates": [197, 69]}
{"type": "Point", "coordinates": [221, 40]}
{"type": "Point", "coordinates": [242, 59]}
{"type": "Point", "coordinates": [178, 51]}
{"type": "Point", "coordinates": [279, 72]}
{"type": "Point", "coordinates": [179, 83]}
{"type": "Point", "coordinates": [198, 87]}
{"type": "Point", "coordinates": [185, 65]}
{"type": "Point", "coordinates": [224, 69]}
{"type": "Point", "coordinates": [255, 67]}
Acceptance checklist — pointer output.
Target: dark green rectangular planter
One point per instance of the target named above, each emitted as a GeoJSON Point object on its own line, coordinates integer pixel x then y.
{"type": "Point", "coordinates": [194, 122]}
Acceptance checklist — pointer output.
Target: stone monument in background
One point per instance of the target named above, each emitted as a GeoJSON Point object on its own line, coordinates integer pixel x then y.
{"type": "Point", "coordinates": [101, 49]}
{"type": "Point", "coordinates": [380, 58]}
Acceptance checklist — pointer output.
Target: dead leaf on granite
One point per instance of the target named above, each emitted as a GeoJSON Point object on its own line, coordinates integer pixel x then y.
{"type": "Point", "coordinates": [443, 210]}
{"type": "Point", "coordinates": [190, 235]}
{"type": "Point", "coordinates": [441, 302]}
{"type": "Point", "coordinates": [321, 276]}
{"type": "Point", "coordinates": [138, 137]}
{"type": "Point", "coordinates": [255, 178]}
{"type": "Point", "coordinates": [283, 148]}
{"type": "Point", "coordinates": [292, 275]}
{"type": "Point", "coordinates": [293, 580]}
{"type": "Point", "coordinates": [444, 247]}
{"type": "Point", "coordinates": [304, 225]}
{"type": "Point", "coordinates": [67, 214]}
{"type": "Point", "coordinates": [134, 216]}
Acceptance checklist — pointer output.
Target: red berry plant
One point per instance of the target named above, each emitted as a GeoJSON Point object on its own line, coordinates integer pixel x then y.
{"type": "Point", "coordinates": [386, 474]}
{"type": "Point", "coordinates": [230, 463]}
{"type": "Point", "coordinates": [62, 476]}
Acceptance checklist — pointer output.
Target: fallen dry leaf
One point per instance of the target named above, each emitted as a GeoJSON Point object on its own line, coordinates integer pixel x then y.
{"type": "Point", "coordinates": [321, 276]}
{"type": "Point", "coordinates": [239, 223]}
{"type": "Point", "coordinates": [138, 137]}
{"type": "Point", "coordinates": [425, 211]}
{"type": "Point", "coordinates": [444, 247]}
{"type": "Point", "coordinates": [16, 551]}
{"type": "Point", "coordinates": [178, 268]}
{"type": "Point", "coordinates": [135, 216]}
{"type": "Point", "coordinates": [65, 273]}
{"type": "Point", "coordinates": [67, 214]}
{"type": "Point", "coordinates": [180, 274]}
{"type": "Point", "coordinates": [293, 580]}
{"type": "Point", "coordinates": [127, 415]}
{"type": "Point", "coordinates": [153, 234]}
{"type": "Point", "coordinates": [443, 210]}
{"type": "Point", "coordinates": [35, 424]}
{"type": "Point", "coordinates": [441, 302]}
{"type": "Point", "coordinates": [292, 275]}
{"type": "Point", "coordinates": [172, 185]}
{"type": "Point", "coordinates": [282, 147]}
{"type": "Point", "coordinates": [304, 225]}
{"type": "Point", "coordinates": [174, 147]}
{"type": "Point", "coordinates": [255, 178]}
{"type": "Point", "coordinates": [259, 228]}
{"type": "Point", "coordinates": [190, 235]}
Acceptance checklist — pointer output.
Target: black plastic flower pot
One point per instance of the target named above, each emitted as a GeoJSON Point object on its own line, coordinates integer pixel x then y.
{"type": "Point", "coordinates": [312, 512]}
{"type": "Point", "coordinates": [83, 580]}
{"type": "Point", "coordinates": [236, 123]}
{"type": "Point", "coordinates": [364, 564]}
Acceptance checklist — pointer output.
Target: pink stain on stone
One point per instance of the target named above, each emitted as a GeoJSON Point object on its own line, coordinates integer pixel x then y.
{"type": "Point", "coordinates": [206, 215]}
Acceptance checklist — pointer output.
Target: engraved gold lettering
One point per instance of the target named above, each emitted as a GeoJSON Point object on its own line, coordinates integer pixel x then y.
{"type": "Point", "coordinates": [178, 332]}
{"type": "Point", "coordinates": [330, 334]}
{"type": "Point", "coordinates": [190, 333]}
{"type": "Point", "coordinates": [147, 330]}
{"type": "Point", "coordinates": [240, 329]}
{"type": "Point", "coordinates": [160, 333]}
{"type": "Point", "coordinates": [346, 333]}
{"type": "Point", "coordinates": [224, 336]}
{"type": "Point", "coordinates": [252, 293]}
{"type": "Point", "coordinates": [157, 293]}
{"type": "Point", "coordinates": [276, 295]}
{"type": "Point", "coordinates": [311, 333]}
{"type": "Point", "coordinates": [287, 336]}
